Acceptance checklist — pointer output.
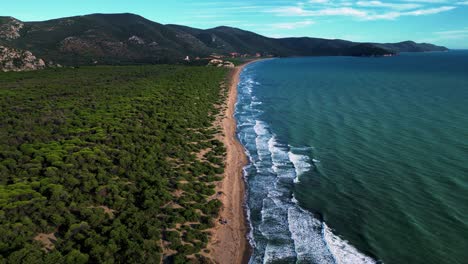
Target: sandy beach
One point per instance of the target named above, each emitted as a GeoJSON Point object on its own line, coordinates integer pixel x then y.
{"type": "Point", "coordinates": [229, 243]}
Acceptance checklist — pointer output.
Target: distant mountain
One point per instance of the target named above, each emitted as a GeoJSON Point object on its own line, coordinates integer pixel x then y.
{"type": "Point", "coordinates": [129, 38]}
{"type": "Point", "coordinates": [411, 46]}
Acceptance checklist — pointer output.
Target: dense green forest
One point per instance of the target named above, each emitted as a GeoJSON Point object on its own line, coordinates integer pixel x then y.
{"type": "Point", "coordinates": [99, 164]}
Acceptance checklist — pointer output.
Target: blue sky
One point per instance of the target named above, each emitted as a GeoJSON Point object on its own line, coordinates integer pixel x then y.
{"type": "Point", "coordinates": [443, 22]}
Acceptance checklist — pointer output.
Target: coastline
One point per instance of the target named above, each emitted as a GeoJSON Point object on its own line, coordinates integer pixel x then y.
{"type": "Point", "coordinates": [229, 243]}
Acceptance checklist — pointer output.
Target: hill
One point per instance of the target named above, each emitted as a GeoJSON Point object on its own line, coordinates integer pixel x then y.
{"type": "Point", "coordinates": [411, 46]}
{"type": "Point", "coordinates": [128, 39]}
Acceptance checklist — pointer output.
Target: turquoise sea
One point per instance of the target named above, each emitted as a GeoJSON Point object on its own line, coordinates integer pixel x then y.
{"type": "Point", "coordinates": [357, 160]}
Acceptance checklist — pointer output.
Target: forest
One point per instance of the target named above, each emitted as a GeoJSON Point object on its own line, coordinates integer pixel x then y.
{"type": "Point", "coordinates": [109, 164]}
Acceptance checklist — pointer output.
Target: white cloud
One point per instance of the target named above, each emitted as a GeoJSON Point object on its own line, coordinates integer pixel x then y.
{"type": "Point", "coordinates": [349, 11]}
{"type": "Point", "coordinates": [429, 11]}
{"type": "Point", "coordinates": [460, 34]}
{"type": "Point", "coordinates": [292, 25]}
{"type": "Point", "coordinates": [384, 16]}
{"type": "Point", "coordinates": [361, 14]}
{"type": "Point", "coordinates": [420, 12]}
{"type": "Point", "coordinates": [398, 6]}
{"type": "Point", "coordinates": [298, 11]}
{"type": "Point", "coordinates": [289, 11]}
{"type": "Point", "coordinates": [346, 3]}
{"type": "Point", "coordinates": [319, 1]}
{"type": "Point", "coordinates": [453, 34]}
{"type": "Point", "coordinates": [462, 3]}
{"type": "Point", "coordinates": [207, 16]}
{"type": "Point", "coordinates": [233, 23]}
{"type": "Point", "coordinates": [342, 11]}
{"type": "Point", "coordinates": [427, 1]}
{"type": "Point", "coordinates": [278, 36]}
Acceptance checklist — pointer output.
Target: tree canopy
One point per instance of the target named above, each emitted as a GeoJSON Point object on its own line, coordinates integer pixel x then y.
{"type": "Point", "coordinates": [99, 164]}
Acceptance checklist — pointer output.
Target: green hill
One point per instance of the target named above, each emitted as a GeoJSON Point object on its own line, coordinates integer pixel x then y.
{"type": "Point", "coordinates": [129, 39]}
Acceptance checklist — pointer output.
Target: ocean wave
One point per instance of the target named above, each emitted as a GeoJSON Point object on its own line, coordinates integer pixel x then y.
{"type": "Point", "coordinates": [307, 235]}
{"type": "Point", "coordinates": [344, 252]}
{"type": "Point", "coordinates": [282, 165]}
{"type": "Point", "coordinates": [281, 231]}
{"type": "Point", "coordinates": [262, 140]}
{"type": "Point", "coordinates": [303, 148]}
{"type": "Point", "coordinates": [302, 164]}
{"type": "Point", "coordinates": [279, 253]}
{"type": "Point", "coordinates": [260, 128]}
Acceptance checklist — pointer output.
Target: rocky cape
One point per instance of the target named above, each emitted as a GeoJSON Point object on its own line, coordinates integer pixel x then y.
{"type": "Point", "coordinates": [19, 60]}
{"type": "Point", "coordinates": [132, 39]}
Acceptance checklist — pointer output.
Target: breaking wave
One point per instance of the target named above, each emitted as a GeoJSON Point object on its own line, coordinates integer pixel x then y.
{"type": "Point", "coordinates": [281, 231]}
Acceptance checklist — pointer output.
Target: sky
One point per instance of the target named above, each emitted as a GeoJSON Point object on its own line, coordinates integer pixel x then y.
{"type": "Point", "coordinates": [443, 22]}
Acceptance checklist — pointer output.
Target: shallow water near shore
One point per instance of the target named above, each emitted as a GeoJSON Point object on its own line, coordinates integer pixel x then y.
{"type": "Point", "coordinates": [357, 160]}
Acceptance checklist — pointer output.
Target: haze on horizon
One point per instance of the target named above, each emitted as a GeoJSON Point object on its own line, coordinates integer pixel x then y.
{"type": "Point", "coordinates": [442, 22]}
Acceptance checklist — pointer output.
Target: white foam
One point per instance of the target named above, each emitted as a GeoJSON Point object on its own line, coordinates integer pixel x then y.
{"type": "Point", "coordinates": [271, 148]}
{"type": "Point", "coordinates": [257, 112]}
{"type": "Point", "coordinates": [273, 193]}
{"type": "Point", "coordinates": [248, 85]}
{"type": "Point", "coordinates": [282, 166]}
{"type": "Point", "coordinates": [260, 128]}
{"type": "Point", "coordinates": [304, 148]}
{"type": "Point", "coordinates": [271, 144]}
{"type": "Point", "coordinates": [306, 231]}
{"type": "Point", "coordinates": [262, 140]}
{"type": "Point", "coordinates": [248, 123]}
{"type": "Point", "coordinates": [294, 200]}
{"type": "Point", "coordinates": [274, 219]}
{"type": "Point", "coordinates": [275, 253]}
{"type": "Point", "coordinates": [274, 227]}
{"type": "Point", "coordinates": [250, 235]}
{"type": "Point", "coordinates": [301, 164]}
{"type": "Point", "coordinates": [343, 252]}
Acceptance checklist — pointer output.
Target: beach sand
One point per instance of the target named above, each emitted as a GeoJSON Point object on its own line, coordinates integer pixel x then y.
{"type": "Point", "coordinates": [229, 242]}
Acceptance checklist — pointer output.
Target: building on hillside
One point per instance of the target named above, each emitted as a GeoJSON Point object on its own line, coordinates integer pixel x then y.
{"type": "Point", "coordinates": [216, 56]}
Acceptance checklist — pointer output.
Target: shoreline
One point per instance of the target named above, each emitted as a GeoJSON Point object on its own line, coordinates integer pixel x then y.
{"type": "Point", "coordinates": [229, 242]}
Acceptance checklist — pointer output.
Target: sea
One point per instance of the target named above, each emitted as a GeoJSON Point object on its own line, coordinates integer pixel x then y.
{"type": "Point", "coordinates": [356, 159]}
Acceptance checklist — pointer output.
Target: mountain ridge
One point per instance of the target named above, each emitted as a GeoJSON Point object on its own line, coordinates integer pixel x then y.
{"type": "Point", "coordinates": [127, 38]}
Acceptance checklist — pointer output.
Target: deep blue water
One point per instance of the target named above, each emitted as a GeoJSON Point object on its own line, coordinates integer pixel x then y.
{"type": "Point", "coordinates": [357, 160]}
